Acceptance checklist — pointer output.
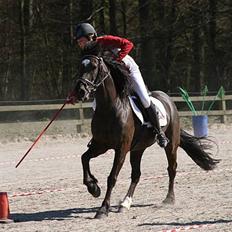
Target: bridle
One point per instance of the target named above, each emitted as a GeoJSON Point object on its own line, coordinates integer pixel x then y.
{"type": "Point", "coordinates": [91, 85]}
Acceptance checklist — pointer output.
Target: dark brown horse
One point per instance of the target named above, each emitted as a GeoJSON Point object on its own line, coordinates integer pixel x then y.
{"type": "Point", "coordinates": [114, 126]}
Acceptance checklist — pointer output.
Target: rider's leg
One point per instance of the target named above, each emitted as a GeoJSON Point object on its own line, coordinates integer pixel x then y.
{"type": "Point", "coordinates": [141, 90]}
{"type": "Point", "coordinates": [154, 119]}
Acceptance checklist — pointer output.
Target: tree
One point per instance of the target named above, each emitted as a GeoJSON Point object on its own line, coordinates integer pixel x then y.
{"type": "Point", "coordinates": [146, 45]}
{"type": "Point", "coordinates": [210, 37]}
{"type": "Point", "coordinates": [112, 17]}
{"type": "Point", "coordinates": [177, 43]}
{"type": "Point", "coordinates": [196, 74]}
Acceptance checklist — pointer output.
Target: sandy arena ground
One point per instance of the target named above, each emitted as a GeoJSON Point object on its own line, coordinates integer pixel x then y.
{"type": "Point", "coordinates": [46, 191]}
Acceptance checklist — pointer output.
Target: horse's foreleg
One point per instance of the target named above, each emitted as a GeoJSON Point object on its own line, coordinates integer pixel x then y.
{"type": "Point", "coordinates": [171, 151]}
{"type": "Point", "coordinates": [88, 179]}
{"type": "Point", "coordinates": [119, 159]}
{"type": "Point", "coordinates": [135, 161]}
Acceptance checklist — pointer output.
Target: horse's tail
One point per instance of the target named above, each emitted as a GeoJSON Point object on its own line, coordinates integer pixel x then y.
{"type": "Point", "coordinates": [196, 149]}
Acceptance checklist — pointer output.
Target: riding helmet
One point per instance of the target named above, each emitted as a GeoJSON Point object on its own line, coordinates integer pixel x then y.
{"type": "Point", "coordinates": [84, 29]}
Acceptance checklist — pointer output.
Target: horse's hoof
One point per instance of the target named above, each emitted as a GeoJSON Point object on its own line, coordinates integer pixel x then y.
{"type": "Point", "coordinates": [94, 189]}
{"type": "Point", "coordinates": [101, 215]}
{"type": "Point", "coordinates": [122, 209]}
{"type": "Point", "coordinates": [169, 201]}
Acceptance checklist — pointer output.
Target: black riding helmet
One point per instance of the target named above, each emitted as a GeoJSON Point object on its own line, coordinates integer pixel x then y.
{"type": "Point", "coordinates": [84, 29]}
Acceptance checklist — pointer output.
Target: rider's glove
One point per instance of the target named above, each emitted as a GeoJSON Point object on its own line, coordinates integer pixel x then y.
{"type": "Point", "coordinates": [71, 99]}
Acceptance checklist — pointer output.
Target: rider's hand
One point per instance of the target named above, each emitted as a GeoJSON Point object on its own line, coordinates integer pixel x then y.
{"type": "Point", "coordinates": [71, 99]}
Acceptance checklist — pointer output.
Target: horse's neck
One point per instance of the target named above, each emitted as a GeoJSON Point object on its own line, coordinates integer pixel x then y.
{"type": "Point", "coordinates": [110, 108]}
{"type": "Point", "coordinates": [106, 95]}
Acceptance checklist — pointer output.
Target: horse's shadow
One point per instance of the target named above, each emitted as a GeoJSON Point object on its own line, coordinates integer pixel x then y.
{"type": "Point", "coordinates": [52, 215]}
{"type": "Point", "coordinates": [60, 215]}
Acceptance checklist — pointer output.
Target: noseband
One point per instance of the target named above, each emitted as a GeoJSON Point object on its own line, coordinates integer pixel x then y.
{"type": "Point", "coordinates": [91, 85]}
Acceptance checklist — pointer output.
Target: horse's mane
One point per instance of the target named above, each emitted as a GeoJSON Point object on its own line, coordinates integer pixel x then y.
{"type": "Point", "coordinates": [118, 70]}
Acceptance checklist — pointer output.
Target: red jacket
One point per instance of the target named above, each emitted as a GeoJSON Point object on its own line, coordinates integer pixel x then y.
{"type": "Point", "coordinates": [113, 42]}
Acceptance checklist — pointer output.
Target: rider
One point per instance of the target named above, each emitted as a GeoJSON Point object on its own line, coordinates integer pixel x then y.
{"type": "Point", "coordinates": [120, 47]}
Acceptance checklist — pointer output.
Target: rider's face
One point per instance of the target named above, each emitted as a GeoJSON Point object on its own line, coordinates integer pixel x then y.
{"type": "Point", "coordinates": [82, 42]}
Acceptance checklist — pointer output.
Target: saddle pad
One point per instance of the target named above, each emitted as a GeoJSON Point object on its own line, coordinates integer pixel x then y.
{"type": "Point", "coordinates": [160, 109]}
{"type": "Point", "coordinates": [136, 110]}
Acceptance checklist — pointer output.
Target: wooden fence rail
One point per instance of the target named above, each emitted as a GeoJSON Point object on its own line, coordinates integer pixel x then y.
{"type": "Point", "coordinates": [223, 109]}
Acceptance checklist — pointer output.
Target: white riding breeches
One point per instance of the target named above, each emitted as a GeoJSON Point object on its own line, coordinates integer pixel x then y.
{"type": "Point", "coordinates": [138, 84]}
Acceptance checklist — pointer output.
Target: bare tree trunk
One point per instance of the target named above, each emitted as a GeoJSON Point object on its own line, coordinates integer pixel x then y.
{"type": "Point", "coordinates": [50, 68]}
{"type": "Point", "coordinates": [30, 12]}
{"type": "Point", "coordinates": [112, 15]}
{"type": "Point", "coordinates": [212, 77]}
{"type": "Point", "coordinates": [124, 24]}
{"type": "Point", "coordinates": [67, 60]}
{"type": "Point", "coordinates": [86, 9]}
{"type": "Point", "coordinates": [196, 49]}
{"type": "Point", "coordinates": [71, 21]}
{"type": "Point", "coordinates": [146, 42]}
{"type": "Point", "coordinates": [169, 47]}
{"type": "Point", "coordinates": [102, 18]}
{"type": "Point", "coordinates": [22, 50]}
{"type": "Point", "coordinates": [26, 22]}
{"type": "Point", "coordinates": [160, 36]}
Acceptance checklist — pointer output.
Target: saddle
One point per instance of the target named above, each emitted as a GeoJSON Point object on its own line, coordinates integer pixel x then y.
{"type": "Point", "coordinates": [141, 112]}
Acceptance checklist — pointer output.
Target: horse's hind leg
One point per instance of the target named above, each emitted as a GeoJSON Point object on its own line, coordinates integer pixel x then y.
{"type": "Point", "coordinates": [135, 161]}
{"type": "Point", "coordinates": [88, 179]}
{"type": "Point", "coordinates": [171, 153]}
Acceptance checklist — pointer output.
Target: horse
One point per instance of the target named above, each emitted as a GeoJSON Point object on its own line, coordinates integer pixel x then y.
{"type": "Point", "coordinates": [115, 126]}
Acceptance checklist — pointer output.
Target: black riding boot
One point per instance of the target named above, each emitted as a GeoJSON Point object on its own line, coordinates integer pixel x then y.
{"type": "Point", "coordinates": [154, 119]}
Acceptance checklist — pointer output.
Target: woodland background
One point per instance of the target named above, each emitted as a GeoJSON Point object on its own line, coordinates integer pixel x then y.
{"type": "Point", "coordinates": [184, 43]}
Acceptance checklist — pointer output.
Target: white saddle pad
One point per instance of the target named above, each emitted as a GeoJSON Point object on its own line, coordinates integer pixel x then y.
{"type": "Point", "coordinates": [160, 108]}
